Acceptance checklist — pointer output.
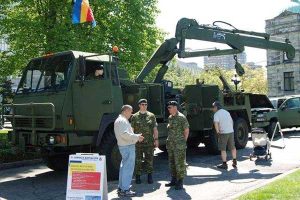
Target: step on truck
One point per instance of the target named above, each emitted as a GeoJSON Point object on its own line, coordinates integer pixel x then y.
{"type": "Point", "coordinates": [59, 110]}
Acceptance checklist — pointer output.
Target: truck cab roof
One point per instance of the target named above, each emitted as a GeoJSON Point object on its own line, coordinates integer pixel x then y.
{"type": "Point", "coordinates": [76, 54]}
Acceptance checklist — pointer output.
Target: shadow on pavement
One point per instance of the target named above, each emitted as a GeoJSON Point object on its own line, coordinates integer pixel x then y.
{"type": "Point", "coordinates": [52, 185]}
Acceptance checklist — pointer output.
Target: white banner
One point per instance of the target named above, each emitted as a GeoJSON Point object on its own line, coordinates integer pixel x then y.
{"type": "Point", "coordinates": [87, 178]}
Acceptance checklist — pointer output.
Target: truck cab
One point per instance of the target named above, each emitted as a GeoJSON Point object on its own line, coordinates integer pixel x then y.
{"type": "Point", "coordinates": [58, 109]}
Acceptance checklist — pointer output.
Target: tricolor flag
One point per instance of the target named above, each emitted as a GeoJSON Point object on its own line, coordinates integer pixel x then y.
{"type": "Point", "coordinates": [82, 12]}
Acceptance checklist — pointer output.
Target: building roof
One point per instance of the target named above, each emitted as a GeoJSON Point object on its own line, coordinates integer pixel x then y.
{"type": "Point", "coordinates": [291, 10]}
{"type": "Point", "coordinates": [295, 8]}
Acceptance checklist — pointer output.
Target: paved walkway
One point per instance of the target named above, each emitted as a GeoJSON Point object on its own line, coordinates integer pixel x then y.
{"type": "Point", "coordinates": [203, 181]}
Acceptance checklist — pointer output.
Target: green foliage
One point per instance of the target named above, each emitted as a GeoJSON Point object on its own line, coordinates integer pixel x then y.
{"type": "Point", "coordinates": [35, 27]}
{"type": "Point", "coordinates": [253, 81]}
{"type": "Point", "coordinates": [179, 76]}
{"type": "Point", "coordinates": [6, 90]}
{"type": "Point", "coordinates": [10, 153]}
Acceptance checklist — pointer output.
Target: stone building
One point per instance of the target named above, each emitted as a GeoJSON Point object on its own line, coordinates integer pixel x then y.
{"type": "Point", "coordinates": [225, 61]}
{"type": "Point", "coordinates": [284, 76]}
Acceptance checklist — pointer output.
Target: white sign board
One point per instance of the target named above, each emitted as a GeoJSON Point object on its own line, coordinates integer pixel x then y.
{"type": "Point", "coordinates": [87, 178]}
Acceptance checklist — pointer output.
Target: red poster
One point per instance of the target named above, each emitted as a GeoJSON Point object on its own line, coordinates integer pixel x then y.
{"type": "Point", "coordinates": [86, 180]}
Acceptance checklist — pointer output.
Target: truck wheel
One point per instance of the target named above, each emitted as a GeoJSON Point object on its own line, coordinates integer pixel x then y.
{"type": "Point", "coordinates": [271, 128]}
{"type": "Point", "coordinates": [109, 148]}
{"type": "Point", "coordinates": [57, 162]}
{"type": "Point", "coordinates": [212, 144]}
{"type": "Point", "coordinates": [240, 133]}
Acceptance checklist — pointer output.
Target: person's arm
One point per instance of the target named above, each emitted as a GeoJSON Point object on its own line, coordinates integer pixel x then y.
{"type": "Point", "coordinates": [186, 133]}
{"type": "Point", "coordinates": [155, 135]}
{"type": "Point", "coordinates": [217, 127]}
{"type": "Point", "coordinates": [155, 131]}
{"type": "Point", "coordinates": [186, 126]}
{"type": "Point", "coordinates": [128, 135]}
{"type": "Point", "coordinates": [217, 124]}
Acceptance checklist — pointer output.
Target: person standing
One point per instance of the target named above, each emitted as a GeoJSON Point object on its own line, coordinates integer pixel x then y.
{"type": "Point", "coordinates": [144, 122]}
{"type": "Point", "coordinates": [224, 128]}
{"type": "Point", "coordinates": [178, 132]}
{"type": "Point", "coordinates": [126, 140]}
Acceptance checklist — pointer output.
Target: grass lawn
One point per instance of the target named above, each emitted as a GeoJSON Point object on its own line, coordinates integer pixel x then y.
{"type": "Point", "coordinates": [285, 188]}
{"type": "Point", "coordinates": [4, 131]}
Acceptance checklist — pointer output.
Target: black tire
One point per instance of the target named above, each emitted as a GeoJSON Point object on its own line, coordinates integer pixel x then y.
{"type": "Point", "coordinates": [57, 162]}
{"type": "Point", "coordinates": [212, 143]}
{"type": "Point", "coordinates": [240, 133]}
{"type": "Point", "coordinates": [109, 148]}
{"type": "Point", "coordinates": [271, 128]}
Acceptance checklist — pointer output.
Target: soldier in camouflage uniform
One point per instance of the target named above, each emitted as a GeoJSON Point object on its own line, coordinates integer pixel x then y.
{"type": "Point", "coordinates": [144, 122]}
{"type": "Point", "coordinates": [178, 132]}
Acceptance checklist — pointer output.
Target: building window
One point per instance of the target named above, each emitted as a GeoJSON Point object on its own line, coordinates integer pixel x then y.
{"type": "Point", "coordinates": [288, 81]}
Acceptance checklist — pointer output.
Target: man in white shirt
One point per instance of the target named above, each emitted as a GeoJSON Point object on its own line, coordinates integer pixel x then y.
{"type": "Point", "coordinates": [224, 128]}
{"type": "Point", "coordinates": [126, 141]}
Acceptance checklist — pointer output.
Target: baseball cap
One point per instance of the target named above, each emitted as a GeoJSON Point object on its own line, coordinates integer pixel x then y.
{"type": "Point", "coordinates": [217, 104]}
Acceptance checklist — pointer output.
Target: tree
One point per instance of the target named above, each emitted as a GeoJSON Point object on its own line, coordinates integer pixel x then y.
{"type": "Point", "coordinates": [35, 27]}
{"type": "Point", "coordinates": [6, 91]}
{"type": "Point", "coordinates": [253, 81]}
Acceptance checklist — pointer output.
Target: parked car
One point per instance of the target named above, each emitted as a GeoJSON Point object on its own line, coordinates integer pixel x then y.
{"type": "Point", "coordinates": [267, 112]}
{"type": "Point", "coordinates": [277, 101]}
{"type": "Point", "coordinates": [289, 112]}
{"type": "Point", "coordinates": [264, 114]}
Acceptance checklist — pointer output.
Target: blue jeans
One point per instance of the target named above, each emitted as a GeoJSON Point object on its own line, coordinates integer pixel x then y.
{"type": "Point", "coordinates": [126, 166]}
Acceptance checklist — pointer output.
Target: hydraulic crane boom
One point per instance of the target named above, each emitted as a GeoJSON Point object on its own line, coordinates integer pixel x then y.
{"type": "Point", "coordinates": [236, 39]}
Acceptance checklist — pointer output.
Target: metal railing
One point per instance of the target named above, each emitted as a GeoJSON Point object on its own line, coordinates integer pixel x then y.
{"type": "Point", "coordinates": [32, 121]}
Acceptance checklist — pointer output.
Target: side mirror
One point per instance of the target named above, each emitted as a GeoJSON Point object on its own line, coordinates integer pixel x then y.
{"type": "Point", "coordinates": [283, 107]}
{"type": "Point", "coordinates": [82, 68]}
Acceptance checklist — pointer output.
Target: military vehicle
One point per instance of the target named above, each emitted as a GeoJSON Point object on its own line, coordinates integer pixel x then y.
{"type": "Point", "coordinates": [58, 111]}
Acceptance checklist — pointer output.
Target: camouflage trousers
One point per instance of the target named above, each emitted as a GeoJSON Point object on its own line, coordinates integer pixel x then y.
{"type": "Point", "coordinates": [140, 152]}
{"type": "Point", "coordinates": [177, 162]}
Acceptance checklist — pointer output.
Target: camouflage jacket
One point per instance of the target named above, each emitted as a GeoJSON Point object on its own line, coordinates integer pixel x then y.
{"type": "Point", "coordinates": [144, 123]}
{"type": "Point", "coordinates": [176, 126]}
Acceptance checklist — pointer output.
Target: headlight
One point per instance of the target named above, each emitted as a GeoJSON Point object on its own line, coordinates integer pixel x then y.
{"type": "Point", "coordinates": [51, 140]}
{"type": "Point", "coordinates": [260, 115]}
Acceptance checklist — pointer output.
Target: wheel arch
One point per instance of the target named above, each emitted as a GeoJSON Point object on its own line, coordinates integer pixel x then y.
{"type": "Point", "coordinates": [236, 114]}
{"type": "Point", "coordinates": [274, 119]}
{"type": "Point", "coordinates": [106, 122]}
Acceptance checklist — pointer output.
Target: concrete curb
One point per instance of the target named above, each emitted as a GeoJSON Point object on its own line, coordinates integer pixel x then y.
{"type": "Point", "coordinates": [263, 184]}
{"type": "Point", "coordinates": [20, 164]}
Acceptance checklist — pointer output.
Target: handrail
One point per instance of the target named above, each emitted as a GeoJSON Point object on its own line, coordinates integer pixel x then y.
{"type": "Point", "coordinates": [33, 117]}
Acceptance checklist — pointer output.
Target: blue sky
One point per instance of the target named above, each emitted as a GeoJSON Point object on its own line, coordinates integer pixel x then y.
{"type": "Point", "coordinates": [243, 14]}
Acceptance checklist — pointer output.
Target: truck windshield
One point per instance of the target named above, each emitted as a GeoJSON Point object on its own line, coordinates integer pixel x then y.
{"type": "Point", "coordinates": [46, 74]}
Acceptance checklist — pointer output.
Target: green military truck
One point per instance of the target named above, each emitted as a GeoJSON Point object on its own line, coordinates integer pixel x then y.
{"type": "Point", "coordinates": [58, 111]}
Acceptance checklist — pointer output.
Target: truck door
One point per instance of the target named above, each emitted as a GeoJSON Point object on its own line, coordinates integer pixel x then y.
{"type": "Point", "coordinates": [92, 98]}
{"type": "Point", "coordinates": [289, 113]}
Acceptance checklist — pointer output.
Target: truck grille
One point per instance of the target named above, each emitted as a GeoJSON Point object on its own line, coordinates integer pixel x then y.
{"type": "Point", "coordinates": [39, 123]}
{"type": "Point", "coordinates": [41, 117]}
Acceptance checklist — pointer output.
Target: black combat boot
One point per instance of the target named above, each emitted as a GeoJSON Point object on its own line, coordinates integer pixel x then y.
{"type": "Point", "coordinates": [138, 179]}
{"type": "Point", "coordinates": [172, 183]}
{"type": "Point", "coordinates": [150, 179]}
{"type": "Point", "coordinates": [179, 185]}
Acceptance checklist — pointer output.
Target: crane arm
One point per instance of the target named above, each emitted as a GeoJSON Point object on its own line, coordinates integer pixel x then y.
{"type": "Point", "coordinates": [236, 39]}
